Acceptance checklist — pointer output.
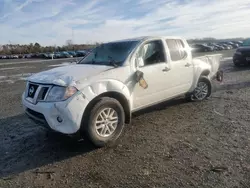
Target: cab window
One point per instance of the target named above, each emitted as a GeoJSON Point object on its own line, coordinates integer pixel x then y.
{"type": "Point", "coordinates": [176, 49]}
{"type": "Point", "coordinates": [152, 52]}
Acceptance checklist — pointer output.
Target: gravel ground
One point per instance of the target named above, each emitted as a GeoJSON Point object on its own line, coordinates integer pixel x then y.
{"type": "Point", "coordinates": [174, 144]}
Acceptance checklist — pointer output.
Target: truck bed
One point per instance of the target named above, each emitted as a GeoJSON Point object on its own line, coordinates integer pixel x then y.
{"type": "Point", "coordinates": [213, 60]}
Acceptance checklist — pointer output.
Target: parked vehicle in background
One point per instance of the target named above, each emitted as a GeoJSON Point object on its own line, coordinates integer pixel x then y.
{"type": "Point", "coordinates": [14, 57]}
{"type": "Point", "coordinates": [57, 55]}
{"type": "Point", "coordinates": [240, 43]}
{"type": "Point", "coordinates": [66, 55]}
{"type": "Point", "coordinates": [215, 46]}
{"type": "Point", "coordinates": [27, 55]}
{"type": "Point", "coordinates": [212, 45]}
{"type": "Point", "coordinates": [242, 54]}
{"type": "Point", "coordinates": [226, 47]}
{"type": "Point", "coordinates": [201, 48]}
{"type": "Point", "coordinates": [81, 53]}
{"type": "Point", "coordinates": [50, 55]}
{"type": "Point", "coordinates": [232, 44]}
{"type": "Point", "coordinates": [219, 47]}
{"type": "Point", "coordinates": [97, 96]}
{"type": "Point", "coordinates": [73, 53]}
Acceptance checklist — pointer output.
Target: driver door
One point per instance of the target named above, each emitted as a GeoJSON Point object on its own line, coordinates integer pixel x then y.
{"type": "Point", "coordinates": [154, 70]}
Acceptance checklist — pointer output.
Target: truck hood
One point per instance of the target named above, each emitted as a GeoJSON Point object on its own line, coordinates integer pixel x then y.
{"type": "Point", "coordinates": [68, 75]}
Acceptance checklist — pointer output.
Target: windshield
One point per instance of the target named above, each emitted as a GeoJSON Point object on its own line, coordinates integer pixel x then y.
{"type": "Point", "coordinates": [109, 53]}
{"type": "Point", "coordinates": [246, 42]}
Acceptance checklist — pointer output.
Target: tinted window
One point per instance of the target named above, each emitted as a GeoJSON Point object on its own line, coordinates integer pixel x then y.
{"type": "Point", "coordinates": [177, 49]}
{"type": "Point", "coordinates": [152, 52]}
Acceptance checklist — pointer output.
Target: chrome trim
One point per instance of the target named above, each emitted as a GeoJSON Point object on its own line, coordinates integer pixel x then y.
{"type": "Point", "coordinates": [35, 99]}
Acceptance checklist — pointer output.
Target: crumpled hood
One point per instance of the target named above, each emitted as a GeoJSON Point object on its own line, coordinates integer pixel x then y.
{"type": "Point", "coordinates": [67, 75]}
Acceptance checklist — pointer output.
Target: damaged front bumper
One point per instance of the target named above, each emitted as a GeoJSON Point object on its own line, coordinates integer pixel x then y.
{"type": "Point", "coordinates": [64, 117]}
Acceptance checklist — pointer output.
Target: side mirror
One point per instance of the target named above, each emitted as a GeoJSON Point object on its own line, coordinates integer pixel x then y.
{"type": "Point", "coordinates": [140, 62]}
{"type": "Point", "coordinates": [139, 78]}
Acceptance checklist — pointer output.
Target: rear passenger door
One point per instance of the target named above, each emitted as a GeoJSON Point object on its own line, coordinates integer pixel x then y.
{"type": "Point", "coordinates": [181, 65]}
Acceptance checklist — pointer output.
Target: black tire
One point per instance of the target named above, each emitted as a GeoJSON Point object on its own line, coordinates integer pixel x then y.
{"type": "Point", "coordinates": [90, 130]}
{"type": "Point", "coordinates": [191, 96]}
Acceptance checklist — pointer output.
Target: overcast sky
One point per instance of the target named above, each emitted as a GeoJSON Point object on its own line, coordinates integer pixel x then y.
{"type": "Point", "coordinates": [51, 22]}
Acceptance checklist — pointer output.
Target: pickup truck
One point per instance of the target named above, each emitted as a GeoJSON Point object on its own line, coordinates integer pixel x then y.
{"type": "Point", "coordinates": [97, 95]}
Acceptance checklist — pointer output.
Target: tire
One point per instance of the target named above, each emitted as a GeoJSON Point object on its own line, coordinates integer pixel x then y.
{"type": "Point", "coordinates": [193, 96]}
{"type": "Point", "coordinates": [99, 137]}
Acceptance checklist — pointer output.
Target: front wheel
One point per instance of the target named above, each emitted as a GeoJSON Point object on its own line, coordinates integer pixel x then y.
{"type": "Point", "coordinates": [202, 90]}
{"type": "Point", "coordinates": [105, 122]}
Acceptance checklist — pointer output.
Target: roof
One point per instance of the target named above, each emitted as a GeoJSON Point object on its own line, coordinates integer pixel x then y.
{"type": "Point", "coordinates": [143, 38]}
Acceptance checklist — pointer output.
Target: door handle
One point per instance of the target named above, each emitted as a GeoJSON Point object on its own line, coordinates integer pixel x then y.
{"type": "Point", "coordinates": [188, 65]}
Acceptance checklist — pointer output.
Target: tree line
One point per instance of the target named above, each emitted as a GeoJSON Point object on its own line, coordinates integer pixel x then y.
{"type": "Point", "coordinates": [11, 49]}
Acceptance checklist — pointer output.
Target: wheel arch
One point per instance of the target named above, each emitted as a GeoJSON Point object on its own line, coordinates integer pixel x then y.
{"type": "Point", "coordinates": [205, 73]}
{"type": "Point", "coordinates": [112, 94]}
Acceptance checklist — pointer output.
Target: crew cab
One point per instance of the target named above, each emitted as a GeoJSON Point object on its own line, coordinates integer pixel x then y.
{"type": "Point", "coordinates": [242, 54]}
{"type": "Point", "coordinates": [96, 96]}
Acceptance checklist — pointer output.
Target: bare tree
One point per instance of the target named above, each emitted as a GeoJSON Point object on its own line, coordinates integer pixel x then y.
{"type": "Point", "coordinates": [69, 44]}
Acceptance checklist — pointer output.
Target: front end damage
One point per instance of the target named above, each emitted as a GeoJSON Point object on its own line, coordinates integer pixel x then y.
{"type": "Point", "coordinates": [64, 117]}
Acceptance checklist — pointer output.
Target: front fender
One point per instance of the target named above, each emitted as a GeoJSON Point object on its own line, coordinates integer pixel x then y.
{"type": "Point", "coordinates": [95, 89]}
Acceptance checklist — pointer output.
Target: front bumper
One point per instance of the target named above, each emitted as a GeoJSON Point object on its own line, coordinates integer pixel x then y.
{"type": "Point", "coordinates": [64, 117]}
{"type": "Point", "coordinates": [240, 59]}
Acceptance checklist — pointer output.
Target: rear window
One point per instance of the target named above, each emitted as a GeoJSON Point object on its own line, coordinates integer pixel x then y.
{"type": "Point", "coordinates": [176, 48]}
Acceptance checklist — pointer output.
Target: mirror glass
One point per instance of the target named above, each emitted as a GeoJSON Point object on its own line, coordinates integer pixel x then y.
{"type": "Point", "coordinates": [140, 62]}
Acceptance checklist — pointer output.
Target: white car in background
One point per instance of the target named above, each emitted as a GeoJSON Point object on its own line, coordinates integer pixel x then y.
{"type": "Point", "coordinates": [97, 96]}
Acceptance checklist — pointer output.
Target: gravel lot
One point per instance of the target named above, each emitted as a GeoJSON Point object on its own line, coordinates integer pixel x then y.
{"type": "Point", "coordinates": [174, 144]}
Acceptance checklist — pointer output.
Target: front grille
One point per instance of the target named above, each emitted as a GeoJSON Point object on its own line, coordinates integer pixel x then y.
{"type": "Point", "coordinates": [36, 114]}
{"type": "Point", "coordinates": [36, 92]}
{"type": "Point", "coordinates": [246, 54]}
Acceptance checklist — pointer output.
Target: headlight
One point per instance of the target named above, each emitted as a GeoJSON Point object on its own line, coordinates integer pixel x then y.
{"type": "Point", "coordinates": [58, 93]}
{"type": "Point", "coordinates": [238, 53]}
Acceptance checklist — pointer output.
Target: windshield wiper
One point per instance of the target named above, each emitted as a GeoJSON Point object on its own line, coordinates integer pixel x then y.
{"type": "Point", "coordinates": [112, 62]}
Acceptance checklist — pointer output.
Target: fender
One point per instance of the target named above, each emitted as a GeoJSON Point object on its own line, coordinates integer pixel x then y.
{"type": "Point", "coordinates": [97, 88]}
{"type": "Point", "coordinates": [200, 69]}
{"type": "Point", "coordinates": [105, 88]}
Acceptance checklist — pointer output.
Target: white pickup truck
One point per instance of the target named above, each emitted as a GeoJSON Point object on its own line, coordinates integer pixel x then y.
{"type": "Point", "coordinates": [96, 96]}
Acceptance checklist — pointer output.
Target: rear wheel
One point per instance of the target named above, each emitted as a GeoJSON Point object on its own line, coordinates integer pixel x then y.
{"type": "Point", "coordinates": [202, 90]}
{"type": "Point", "coordinates": [105, 122]}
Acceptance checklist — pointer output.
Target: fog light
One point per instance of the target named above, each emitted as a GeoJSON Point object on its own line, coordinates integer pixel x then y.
{"type": "Point", "coordinates": [59, 119]}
